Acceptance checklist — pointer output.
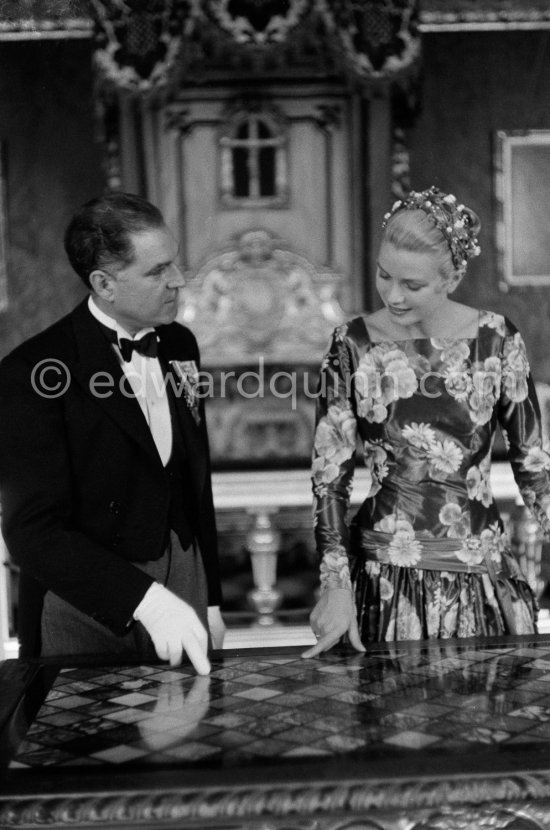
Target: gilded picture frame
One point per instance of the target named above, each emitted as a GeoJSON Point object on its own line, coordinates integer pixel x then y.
{"type": "Point", "coordinates": [522, 188]}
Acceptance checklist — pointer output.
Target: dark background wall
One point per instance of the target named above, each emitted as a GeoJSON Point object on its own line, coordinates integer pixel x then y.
{"type": "Point", "coordinates": [52, 165]}
{"type": "Point", "coordinates": [473, 85]}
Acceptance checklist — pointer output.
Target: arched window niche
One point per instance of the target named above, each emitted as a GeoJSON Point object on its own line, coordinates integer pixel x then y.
{"type": "Point", "coordinates": [253, 158]}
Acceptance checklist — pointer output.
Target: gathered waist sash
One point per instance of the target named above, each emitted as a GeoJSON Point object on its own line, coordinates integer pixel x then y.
{"type": "Point", "coordinates": [435, 554]}
{"type": "Point", "coordinates": [440, 555]}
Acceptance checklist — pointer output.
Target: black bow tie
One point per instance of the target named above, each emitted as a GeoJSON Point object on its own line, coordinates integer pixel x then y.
{"type": "Point", "coordinates": [146, 345]}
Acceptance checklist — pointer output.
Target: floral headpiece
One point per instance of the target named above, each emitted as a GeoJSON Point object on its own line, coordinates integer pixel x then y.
{"type": "Point", "coordinates": [456, 222]}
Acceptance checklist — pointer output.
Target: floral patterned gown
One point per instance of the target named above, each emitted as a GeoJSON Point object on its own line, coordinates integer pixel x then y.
{"type": "Point", "coordinates": [427, 553]}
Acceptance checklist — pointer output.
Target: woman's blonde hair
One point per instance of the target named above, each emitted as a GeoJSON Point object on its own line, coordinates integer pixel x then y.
{"type": "Point", "coordinates": [412, 230]}
{"type": "Point", "coordinates": [433, 222]}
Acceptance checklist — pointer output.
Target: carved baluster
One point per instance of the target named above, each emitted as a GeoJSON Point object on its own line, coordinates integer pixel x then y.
{"type": "Point", "coordinates": [263, 542]}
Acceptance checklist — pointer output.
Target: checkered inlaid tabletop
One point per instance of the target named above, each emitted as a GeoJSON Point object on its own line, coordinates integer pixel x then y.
{"type": "Point", "coordinates": [393, 700]}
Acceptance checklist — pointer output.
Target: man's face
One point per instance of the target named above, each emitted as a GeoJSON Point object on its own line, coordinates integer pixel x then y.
{"type": "Point", "coordinates": [145, 293]}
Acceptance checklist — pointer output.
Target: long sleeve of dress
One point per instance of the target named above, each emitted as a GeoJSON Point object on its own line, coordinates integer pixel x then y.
{"type": "Point", "coordinates": [333, 462]}
{"type": "Point", "coordinates": [519, 416]}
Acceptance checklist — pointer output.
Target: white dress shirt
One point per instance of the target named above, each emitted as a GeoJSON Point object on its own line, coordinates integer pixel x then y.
{"type": "Point", "coordinates": [147, 381]}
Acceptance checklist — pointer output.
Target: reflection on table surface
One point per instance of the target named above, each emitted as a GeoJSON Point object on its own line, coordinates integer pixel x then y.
{"type": "Point", "coordinates": [439, 701]}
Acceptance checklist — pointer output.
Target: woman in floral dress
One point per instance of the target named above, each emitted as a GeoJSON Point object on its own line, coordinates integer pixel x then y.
{"type": "Point", "coordinates": [421, 386]}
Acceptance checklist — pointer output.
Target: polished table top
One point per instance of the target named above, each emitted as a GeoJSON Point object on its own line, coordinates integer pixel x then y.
{"type": "Point", "coordinates": [450, 713]}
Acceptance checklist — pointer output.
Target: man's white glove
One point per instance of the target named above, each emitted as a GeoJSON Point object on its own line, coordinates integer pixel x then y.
{"type": "Point", "coordinates": [173, 627]}
{"type": "Point", "coordinates": [216, 626]}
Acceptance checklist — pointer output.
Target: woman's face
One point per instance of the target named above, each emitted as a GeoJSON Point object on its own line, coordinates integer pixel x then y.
{"type": "Point", "coordinates": [410, 284]}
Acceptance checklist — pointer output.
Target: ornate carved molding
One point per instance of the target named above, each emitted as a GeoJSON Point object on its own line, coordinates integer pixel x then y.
{"type": "Point", "coordinates": [489, 817]}
{"type": "Point", "coordinates": [257, 24]}
{"type": "Point", "coordinates": [260, 299]}
{"type": "Point", "coordinates": [149, 49]}
{"type": "Point", "coordinates": [262, 315]}
{"type": "Point", "coordinates": [372, 40]}
{"type": "Point", "coordinates": [472, 15]}
{"type": "Point", "coordinates": [60, 19]}
{"type": "Point", "coordinates": [343, 806]}
{"type": "Point", "coordinates": [328, 117]}
{"type": "Point", "coordinates": [181, 120]}
{"type": "Point", "coordinates": [44, 19]}
{"type": "Point", "coordinates": [401, 179]}
{"type": "Point", "coordinates": [138, 46]}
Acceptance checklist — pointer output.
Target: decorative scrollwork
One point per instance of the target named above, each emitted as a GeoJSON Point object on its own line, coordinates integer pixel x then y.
{"type": "Point", "coordinates": [400, 168]}
{"type": "Point", "coordinates": [144, 47]}
{"type": "Point", "coordinates": [257, 297]}
{"type": "Point", "coordinates": [178, 119]}
{"type": "Point", "coordinates": [486, 818]}
{"type": "Point", "coordinates": [138, 42]}
{"type": "Point", "coordinates": [394, 804]}
{"type": "Point", "coordinates": [373, 40]}
{"type": "Point", "coordinates": [329, 116]}
{"type": "Point", "coordinates": [257, 22]}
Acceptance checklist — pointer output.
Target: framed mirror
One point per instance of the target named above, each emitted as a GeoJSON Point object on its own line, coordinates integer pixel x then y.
{"type": "Point", "coordinates": [522, 185]}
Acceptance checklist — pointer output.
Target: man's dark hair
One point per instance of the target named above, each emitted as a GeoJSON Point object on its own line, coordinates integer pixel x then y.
{"type": "Point", "coordinates": [98, 235]}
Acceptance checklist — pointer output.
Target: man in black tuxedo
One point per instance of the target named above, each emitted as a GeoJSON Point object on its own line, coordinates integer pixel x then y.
{"type": "Point", "coordinates": [104, 464]}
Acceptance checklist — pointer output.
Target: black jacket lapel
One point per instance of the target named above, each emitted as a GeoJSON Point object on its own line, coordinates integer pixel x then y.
{"type": "Point", "coordinates": [175, 345]}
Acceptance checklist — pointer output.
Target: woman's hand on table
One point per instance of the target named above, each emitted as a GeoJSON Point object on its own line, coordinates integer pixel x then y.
{"type": "Point", "coordinates": [333, 616]}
